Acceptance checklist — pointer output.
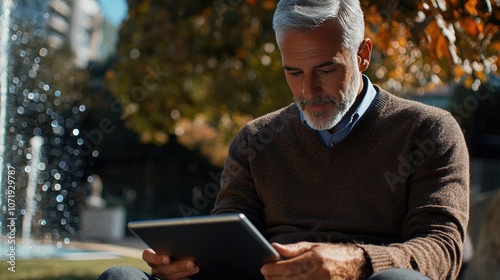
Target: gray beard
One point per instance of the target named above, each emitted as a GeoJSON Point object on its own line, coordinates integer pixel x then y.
{"type": "Point", "coordinates": [320, 120]}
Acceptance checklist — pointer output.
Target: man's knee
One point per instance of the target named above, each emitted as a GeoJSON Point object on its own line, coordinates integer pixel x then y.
{"type": "Point", "coordinates": [398, 274]}
{"type": "Point", "coordinates": [123, 273]}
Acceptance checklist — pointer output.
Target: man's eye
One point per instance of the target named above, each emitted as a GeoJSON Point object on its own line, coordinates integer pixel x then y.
{"type": "Point", "coordinates": [294, 74]}
{"type": "Point", "coordinates": [325, 71]}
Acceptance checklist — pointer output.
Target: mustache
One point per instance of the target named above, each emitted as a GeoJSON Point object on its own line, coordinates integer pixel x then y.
{"type": "Point", "coordinates": [317, 101]}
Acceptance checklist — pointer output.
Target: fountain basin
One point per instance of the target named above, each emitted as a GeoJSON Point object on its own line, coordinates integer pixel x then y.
{"type": "Point", "coordinates": [71, 251]}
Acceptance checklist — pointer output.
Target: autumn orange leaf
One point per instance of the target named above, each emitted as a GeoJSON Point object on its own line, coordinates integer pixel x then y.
{"type": "Point", "coordinates": [269, 5]}
{"type": "Point", "coordinates": [470, 26]}
{"type": "Point", "coordinates": [470, 6]}
{"type": "Point", "coordinates": [252, 2]}
{"type": "Point", "coordinates": [441, 47]}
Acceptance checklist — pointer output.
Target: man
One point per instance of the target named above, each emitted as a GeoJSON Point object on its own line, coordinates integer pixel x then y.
{"type": "Point", "coordinates": [349, 182]}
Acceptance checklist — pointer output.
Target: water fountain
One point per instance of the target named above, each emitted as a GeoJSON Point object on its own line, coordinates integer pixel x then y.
{"type": "Point", "coordinates": [40, 159]}
{"type": "Point", "coordinates": [36, 145]}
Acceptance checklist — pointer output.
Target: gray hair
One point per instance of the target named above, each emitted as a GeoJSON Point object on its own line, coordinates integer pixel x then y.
{"type": "Point", "coordinates": [305, 15]}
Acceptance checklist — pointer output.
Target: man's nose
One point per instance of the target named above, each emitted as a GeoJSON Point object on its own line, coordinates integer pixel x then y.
{"type": "Point", "coordinates": [310, 87]}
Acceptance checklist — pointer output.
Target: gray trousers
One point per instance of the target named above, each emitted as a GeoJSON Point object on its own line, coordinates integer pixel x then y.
{"type": "Point", "coordinates": [130, 273]}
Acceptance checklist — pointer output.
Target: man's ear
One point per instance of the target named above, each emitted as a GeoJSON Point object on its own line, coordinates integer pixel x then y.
{"type": "Point", "coordinates": [364, 54]}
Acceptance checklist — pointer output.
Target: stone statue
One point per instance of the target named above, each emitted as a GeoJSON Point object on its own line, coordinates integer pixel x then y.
{"type": "Point", "coordinates": [95, 199]}
{"type": "Point", "coordinates": [98, 221]}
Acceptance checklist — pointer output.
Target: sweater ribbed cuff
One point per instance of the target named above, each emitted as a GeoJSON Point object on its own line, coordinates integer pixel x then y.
{"type": "Point", "coordinates": [378, 257]}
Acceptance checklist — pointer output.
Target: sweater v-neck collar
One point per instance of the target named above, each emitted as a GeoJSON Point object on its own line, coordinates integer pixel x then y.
{"type": "Point", "coordinates": [310, 140]}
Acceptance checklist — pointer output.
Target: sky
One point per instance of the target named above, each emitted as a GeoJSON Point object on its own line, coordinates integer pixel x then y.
{"type": "Point", "coordinates": [114, 10]}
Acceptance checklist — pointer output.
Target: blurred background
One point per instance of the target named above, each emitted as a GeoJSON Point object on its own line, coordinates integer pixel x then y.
{"type": "Point", "coordinates": [125, 109]}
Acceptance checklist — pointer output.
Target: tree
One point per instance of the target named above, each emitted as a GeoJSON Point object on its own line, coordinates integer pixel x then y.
{"type": "Point", "coordinates": [202, 69]}
{"type": "Point", "coordinates": [424, 44]}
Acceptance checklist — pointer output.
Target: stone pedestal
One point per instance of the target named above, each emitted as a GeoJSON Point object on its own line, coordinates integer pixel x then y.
{"type": "Point", "coordinates": [102, 224]}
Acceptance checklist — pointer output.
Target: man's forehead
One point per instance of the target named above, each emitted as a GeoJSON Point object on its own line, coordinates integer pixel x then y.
{"type": "Point", "coordinates": [327, 34]}
{"type": "Point", "coordinates": [297, 44]}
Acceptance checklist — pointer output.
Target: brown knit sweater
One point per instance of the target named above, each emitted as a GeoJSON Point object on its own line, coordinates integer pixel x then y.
{"type": "Point", "coordinates": [398, 185]}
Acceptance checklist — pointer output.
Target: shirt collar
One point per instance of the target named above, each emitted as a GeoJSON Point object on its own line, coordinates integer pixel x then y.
{"type": "Point", "coordinates": [370, 92]}
{"type": "Point", "coordinates": [347, 123]}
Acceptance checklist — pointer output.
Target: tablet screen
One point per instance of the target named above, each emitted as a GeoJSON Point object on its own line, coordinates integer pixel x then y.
{"type": "Point", "coordinates": [225, 246]}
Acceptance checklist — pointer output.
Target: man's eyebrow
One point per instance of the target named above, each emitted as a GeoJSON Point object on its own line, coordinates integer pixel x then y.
{"type": "Point", "coordinates": [288, 68]}
{"type": "Point", "coordinates": [327, 63]}
{"type": "Point", "coordinates": [324, 64]}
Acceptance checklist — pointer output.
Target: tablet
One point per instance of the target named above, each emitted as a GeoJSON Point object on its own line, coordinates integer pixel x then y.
{"type": "Point", "coordinates": [225, 246]}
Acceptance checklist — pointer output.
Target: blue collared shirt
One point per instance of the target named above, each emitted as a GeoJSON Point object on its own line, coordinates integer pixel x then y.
{"type": "Point", "coordinates": [347, 123]}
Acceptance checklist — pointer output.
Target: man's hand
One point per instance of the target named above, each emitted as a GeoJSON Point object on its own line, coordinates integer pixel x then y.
{"type": "Point", "coordinates": [318, 261]}
{"type": "Point", "coordinates": [165, 268]}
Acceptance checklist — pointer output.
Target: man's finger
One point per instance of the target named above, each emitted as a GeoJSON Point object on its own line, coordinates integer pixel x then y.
{"type": "Point", "coordinates": [150, 257]}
